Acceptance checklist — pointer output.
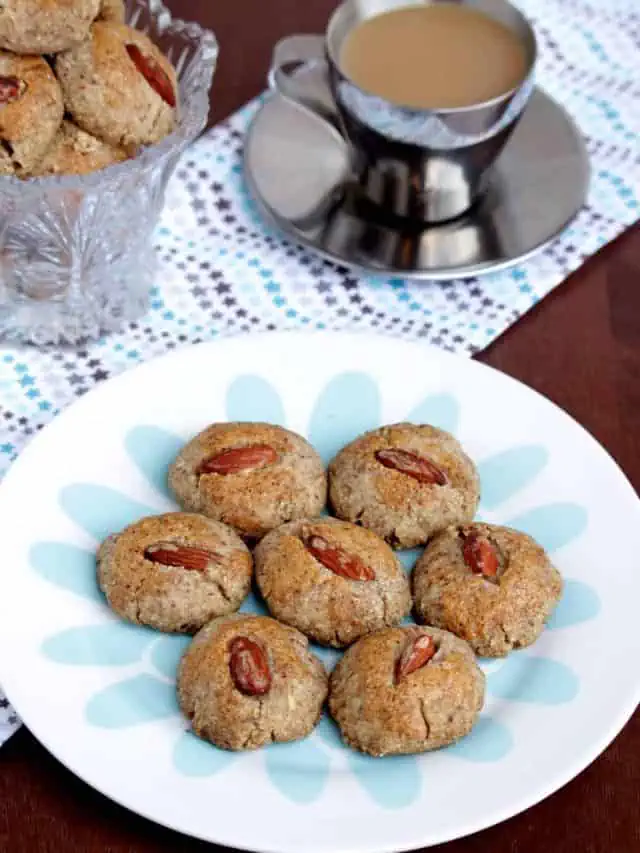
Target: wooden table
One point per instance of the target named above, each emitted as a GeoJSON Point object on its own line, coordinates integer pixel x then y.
{"type": "Point", "coordinates": [580, 347]}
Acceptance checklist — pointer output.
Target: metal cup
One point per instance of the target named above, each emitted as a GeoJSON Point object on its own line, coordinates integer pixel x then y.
{"type": "Point", "coordinates": [425, 165]}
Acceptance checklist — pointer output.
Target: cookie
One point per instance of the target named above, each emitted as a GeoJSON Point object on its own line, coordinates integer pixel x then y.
{"type": "Point", "coordinates": [112, 10]}
{"type": "Point", "coordinates": [252, 476]}
{"type": "Point", "coordinates": [332, 580]}
{"type": "Point", "coordinates": [119, 86]}
{"type": "Point", "coordinates": [247, 681]}
{"type": "Point", "coordinates": [45, 26]}
{"type": "Point", "coordinates": [30, 112]}
{"type": "Point", "coordinates": [76, 152]}
{"type": "Point", "coordinates": [404, 482]}
{"type": "Point", "coordinates": [405, 690]}
{"type": "Point", "coordinates": [174, 572]}
{"type": "Point", "coordinates": [492, 586]}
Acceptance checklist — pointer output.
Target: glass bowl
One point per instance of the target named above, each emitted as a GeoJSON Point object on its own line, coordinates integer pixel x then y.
{"type": "Point", "coordinates": [76, 257]}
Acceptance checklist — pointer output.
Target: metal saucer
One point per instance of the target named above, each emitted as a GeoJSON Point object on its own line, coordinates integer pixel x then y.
{"type": "Point", "coordinates": [297, 169]}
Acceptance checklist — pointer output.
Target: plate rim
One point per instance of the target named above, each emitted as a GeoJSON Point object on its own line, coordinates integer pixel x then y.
{"type": "Point", "coordinates": [586, 758]}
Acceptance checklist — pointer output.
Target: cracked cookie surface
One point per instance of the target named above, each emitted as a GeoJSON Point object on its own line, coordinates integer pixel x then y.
{"type": "Point", "coordinates": [30, 111]}
{"type": "Point", "coordinates": [332, 580]}
{"type": "Point", "coordinates": [405, 482]}
{"type": "Point", "coordinates": [495, 612]}
{"type": "Point", "coordinates": [384, 707]}
{"type": "Point", "coordinates": [174, 572]}
{"type": "Point", "coordinates": [286, 704]}
{"type": "Point", "coordinates": [252, 496]}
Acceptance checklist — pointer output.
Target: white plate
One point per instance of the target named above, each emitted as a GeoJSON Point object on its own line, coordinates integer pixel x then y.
{"type": "Point", "coordinates": [99, 694]}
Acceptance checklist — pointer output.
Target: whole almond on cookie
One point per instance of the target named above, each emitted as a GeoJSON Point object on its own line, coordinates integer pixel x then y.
{"type": "Point", "coordinates": [337, 560]}
{"type": "Point", "coordinates": [249, 667]}
{"type": "Point", "coordinates": [238, 459]}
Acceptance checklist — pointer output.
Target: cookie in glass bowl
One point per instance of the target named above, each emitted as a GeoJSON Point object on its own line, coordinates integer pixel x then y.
{"type": "Point", "coordinates": [405, 482]}
{"type": "Point", "coordinates": [76, 152]}
{"type": "Point", "coordinates": [119, 86]}
{"type": "Point", "coordinates": [331, 580]}
{"type": "Point", "coordinates": [406, 690]}
{"type": "Point", "coordinates": [112, 10]}
{"type": "Point", "coordinates": [45, 26]}
{"type": "Point", "coordinates": [493, 586]}
{"type": "Point", "coordinates": [247, 681]}
{"type": "Point", "coordinates": [31, 111]}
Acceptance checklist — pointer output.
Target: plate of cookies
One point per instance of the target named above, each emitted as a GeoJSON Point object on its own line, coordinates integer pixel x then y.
{"type": "Point", "coordinates": [317, 592]}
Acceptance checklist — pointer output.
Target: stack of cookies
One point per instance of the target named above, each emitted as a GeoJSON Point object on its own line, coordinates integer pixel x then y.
{"type": "Point", "coordinates": [79, 90]}
{"type": "Point", "coordinates": [253, 497]}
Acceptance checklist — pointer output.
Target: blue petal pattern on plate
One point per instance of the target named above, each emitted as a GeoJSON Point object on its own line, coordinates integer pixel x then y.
{"type": "Point", "coordinates": [298, 770]}
{"type": "Point", "coordinates": [579, 603]}
{"type": "Point", "coordinates": [100, 510]}
{"type": "Point", "coordinates": [166, 653]}
{"type": "Point", "coordinates": [393, 782]}
{"type": "Point", "coordinates": [152, 449]}
{"type": "Point", "coordinates": [112, 644]}
{"type": "Point", "coordinates": [409, 558]}
{"type": "Point", "coordinates": [348, 405]}
{"type": "Point", "coordinates": [489, 740]}
{"type": "Point", "coordinates": [141, 699]}
{"type": "Point", "coordinates": [506, 473]}
{"type": "Point", "coordinates": [253, 603]}
{"type": "Point", "coordinates": [329, 657]}
{"type": "Point", "coordinates": [67, 566]}
{"type": "Point", "coordinates": [195, 757]}
{"type": "Point", "coordinates": [440, 410]}
{"type": "Point", "coordinates": [252, 398]}
{"type": "Point", "coordinates": [526, 678]}
{"type": "Point", "coordinates": [552, 525]}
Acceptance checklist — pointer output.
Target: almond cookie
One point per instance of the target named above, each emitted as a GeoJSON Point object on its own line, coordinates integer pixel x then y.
{"type": "Point", "coordinates": [76, 152]}
{"type": "Point", "coordinates": [30, 111]}
{"type": "Point", "coordinates": [492, 586]}
{"type": "Point", "coordinates": [404, 482]}
{"type": "Point", "coordinates": [247, 681]}
{"type": "Point", "coordinates": [252, 476]}
{"type": "Point", "coordinates": [332, 580]}
{"type": "Point", "coordinates": [112, 10]}
{"type": "Point", "coordinates": [119, 86]}
{"type": "Point", "coordinates": [174, 572]}
{"type": "Point", "coordinates": [404, 690]}
{"type": "Point", "coordinates": [45, 26]}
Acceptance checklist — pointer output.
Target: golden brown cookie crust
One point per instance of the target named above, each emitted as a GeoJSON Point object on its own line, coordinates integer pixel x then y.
{"type": "Point", "coordinates": [493, 615]}
{"type": "Point", "coordinates": [174, 598]}
{"type": "Point", "coordinates": [112, 10]}
{"type": "Point", "coordinates": [327, 607]}
{"type": "Point", "coordinates": [397, 507]}
{"type": "Point", "coordinates": [433, 706]}
{"type": "Point", "coordinates": [226, 716]}
{"type": "Point", "coordinates": [105, 92]}
{"type": "Point", "coordinates": [252, 501]}
{"type": "Point", "coordinates": [76, 152]}
{"type": "Point", "coordinates": [45, 26]}
{"type": "Point", "coordinates": [30, 121]}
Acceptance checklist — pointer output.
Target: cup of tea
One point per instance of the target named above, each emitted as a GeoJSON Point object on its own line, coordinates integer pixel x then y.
{"type": "Point", "coordinates": [427, 92]}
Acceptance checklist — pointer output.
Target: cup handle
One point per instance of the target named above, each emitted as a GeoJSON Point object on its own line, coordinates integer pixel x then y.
{"type": "Point", "coordinates": [288, 56]}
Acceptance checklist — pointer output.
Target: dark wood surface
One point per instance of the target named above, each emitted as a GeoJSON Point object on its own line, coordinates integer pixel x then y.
{"type": "Point", "coordinates": [580, 347]}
